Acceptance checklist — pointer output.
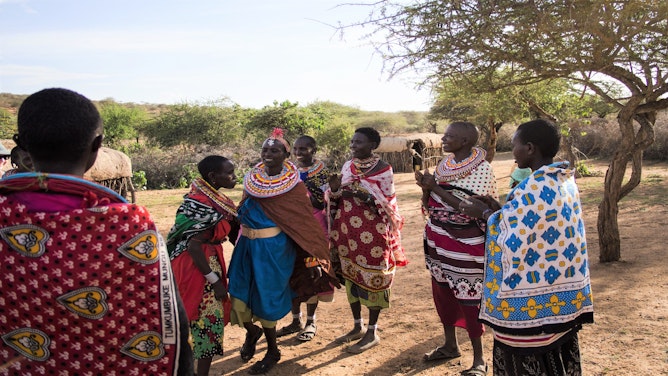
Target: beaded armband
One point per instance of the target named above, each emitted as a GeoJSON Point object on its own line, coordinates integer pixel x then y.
{"type": "Point", "coordinates": [311, 262]}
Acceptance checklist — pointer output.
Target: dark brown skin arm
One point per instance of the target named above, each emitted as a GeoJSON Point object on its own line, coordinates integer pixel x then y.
{"type": "Point", "coordinates": [479, 206]}
{"type": "Point", "coordinates": [428, 184]}
{"type": "Point", "coordinates": [202, 264]}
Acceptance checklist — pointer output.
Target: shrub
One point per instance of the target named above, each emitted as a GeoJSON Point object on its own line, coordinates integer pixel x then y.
{"type": "Point", "coordinates": [176, 167]}
{"type": "Point", "coordinates": [7, 124]}
{"type": "Point", "coordinates": [139, 179]}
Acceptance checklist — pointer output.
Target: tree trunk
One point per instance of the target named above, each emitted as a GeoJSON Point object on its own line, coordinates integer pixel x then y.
{"type": "Point", "coordinates": [631, 147]}
{"type": "Point", "coordinates": [569, 148]}
{"type": "Point", "coordinates": [608, 228]}
{"type": "Point", "coordinates": [492, 138]}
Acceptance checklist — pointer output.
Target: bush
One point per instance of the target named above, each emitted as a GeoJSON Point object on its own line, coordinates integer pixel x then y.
{"type": "Point", "coordinates": [139, 179]}
{"type": "Point", "coordinates": [659, 149]}
{"type": "Point", "coordinates": [7, 124]}
{"type": "Point", "coordinates": [176, 167]}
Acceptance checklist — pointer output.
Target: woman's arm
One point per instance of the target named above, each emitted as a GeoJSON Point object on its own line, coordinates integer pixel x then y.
{"type": "Point", "coordinates": [202, 264]}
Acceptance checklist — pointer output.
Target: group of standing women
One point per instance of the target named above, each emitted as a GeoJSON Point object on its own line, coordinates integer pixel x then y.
{"type": "Point", "coordinates": [281, 256]}
{"type": "Point", "coordinates": [519, 267]}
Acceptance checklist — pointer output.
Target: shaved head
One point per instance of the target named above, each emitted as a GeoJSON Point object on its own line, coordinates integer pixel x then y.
{"type": "Point", "coordinates": [469, 130]}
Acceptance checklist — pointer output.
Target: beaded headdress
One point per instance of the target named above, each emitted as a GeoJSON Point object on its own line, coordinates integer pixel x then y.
{"type": "Point", "coordinates": [277, 135]}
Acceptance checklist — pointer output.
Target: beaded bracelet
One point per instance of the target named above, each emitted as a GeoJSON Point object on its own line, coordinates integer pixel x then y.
{"type": "Point", "coordinates": [335, 194]}
{"type": "Point", "coordinates": [311, 262]}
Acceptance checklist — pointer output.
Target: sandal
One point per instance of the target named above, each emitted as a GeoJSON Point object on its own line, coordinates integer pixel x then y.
{"type": "Point", "coordinates": [248, 349]}
{"type": "Point", "coordinates": [266, 364]}
{"type": "Point", "coordinates": [474, 371]}
{"type": "Point", "coordinates": [294, 327]}
{"type": "Point", "coordinates": [358, 349]}
{"type": "Point", "coordinates": [441, 353]}
{"type": "Point", "coordinates": [308, 333]}
{"type": "Point", "coordinates": [351, 336]}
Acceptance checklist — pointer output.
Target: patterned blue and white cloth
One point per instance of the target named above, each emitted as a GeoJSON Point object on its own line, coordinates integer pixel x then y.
{"type": "Point", "coordinates": [536, 262]}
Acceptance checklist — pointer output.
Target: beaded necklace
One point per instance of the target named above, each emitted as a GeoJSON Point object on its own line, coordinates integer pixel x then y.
{"type": "Point", "coordinates": [366, 164]}
{"type": "Point", "coordinates": [219, 199]}
{"type": "Point", "coordinates": [450, 170]}
{"type": "Point", "coordinates": [261, 185]}
{"type": "Point", "coordinates": [312, 170]}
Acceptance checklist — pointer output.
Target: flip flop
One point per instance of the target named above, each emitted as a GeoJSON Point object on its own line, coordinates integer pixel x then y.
{"type": "Point", "coordinates": [286, 330]}
{"type": "Point", "coordinates": [351, 337]}
{"type": "Point", "coordinates": [475, 372]}
{"type": "Point", "coordinates": [358, 349]}
{"type": "Point", "coordinates": [308, 333]}
{"type": "Point", "coordinates": [248, 349]}
{"type": "Point", "coordinates": [440, 353]}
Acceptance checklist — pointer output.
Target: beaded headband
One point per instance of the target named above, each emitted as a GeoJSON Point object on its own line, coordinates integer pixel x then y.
{"type": "Point", "coordinates": [277, 135]}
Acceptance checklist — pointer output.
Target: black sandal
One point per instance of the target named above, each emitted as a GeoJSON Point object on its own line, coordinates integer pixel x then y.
{"type": "Point", "coordinates": [266, 364]}
{"type": "Point", "coordinates": [248, 349]}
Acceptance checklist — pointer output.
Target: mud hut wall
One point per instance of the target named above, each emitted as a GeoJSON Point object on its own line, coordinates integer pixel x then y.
{"type": "Point", "coordinates": [401, 161]}
{"type": "Point", "coordinates": [431, 157]}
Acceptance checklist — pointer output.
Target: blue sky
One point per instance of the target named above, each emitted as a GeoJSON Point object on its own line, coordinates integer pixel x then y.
{"type": "Point", "coordinates": [252, 51]}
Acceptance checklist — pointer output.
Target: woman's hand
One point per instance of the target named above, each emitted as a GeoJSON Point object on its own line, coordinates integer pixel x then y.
{"type": "Point", "coordinates": [219, 290]}
{"type": "Point", "coordinates": [334, 181]}
{"type": "Point", "coordinates": [477, 206]}
{"type": "Point", "coordinates": [425, 180]}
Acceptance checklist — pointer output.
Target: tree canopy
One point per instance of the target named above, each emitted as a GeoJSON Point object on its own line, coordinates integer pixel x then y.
{"type": "Point", "coordinates": [594, 43]}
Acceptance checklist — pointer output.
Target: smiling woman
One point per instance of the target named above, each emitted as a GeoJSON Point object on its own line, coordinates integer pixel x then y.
{"type": "Point", "coordinates": [281, 254]}
{"type": "Point", "coordinates": [365, 232]}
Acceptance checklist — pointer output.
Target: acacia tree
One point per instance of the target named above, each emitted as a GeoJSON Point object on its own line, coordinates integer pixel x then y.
{"type": "Point", "coordinates": [489, 110]}
{"type": "Point", "coordinates": [556, 100]}
{"type": "Point", "coordinates": [591, 42]}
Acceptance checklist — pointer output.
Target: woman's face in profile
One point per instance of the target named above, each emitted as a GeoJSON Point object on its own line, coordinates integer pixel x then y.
{"type": "Point", "coordinates": [224, 176]}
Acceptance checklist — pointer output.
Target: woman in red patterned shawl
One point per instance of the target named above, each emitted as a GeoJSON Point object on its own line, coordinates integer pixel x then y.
{"type": "Point", "coordinates": [365, 233]}
{"type": "Point", "coordinates": [205, 219]}
{"type": "Point", "coordinates": [87, 285]}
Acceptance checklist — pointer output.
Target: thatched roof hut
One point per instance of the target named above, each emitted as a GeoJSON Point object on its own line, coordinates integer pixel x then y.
{"type": "Point", "coordinates": [408, 152]}
{"type": "Point", "coordinates": [112, 168]}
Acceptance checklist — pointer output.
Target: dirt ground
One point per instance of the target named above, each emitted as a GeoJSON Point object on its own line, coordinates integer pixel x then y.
{"type": "Point", "coordinates": [629, 337]}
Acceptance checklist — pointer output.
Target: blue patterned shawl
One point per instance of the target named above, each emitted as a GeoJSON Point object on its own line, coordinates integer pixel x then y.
{"type": "Point", "coordinates": [536, 261]}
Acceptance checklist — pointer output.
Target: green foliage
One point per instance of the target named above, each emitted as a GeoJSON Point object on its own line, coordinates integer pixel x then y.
{"type": "Point", "coordinates": [334, 142]}
{"type": "Point", "coordinates": [7, 124]}
{"type": "Point", "coordinates": [295, 120]}
{"type": "Point", "coordinates": [190, 173]}
{"type": "Point", "coordinates": [139, 179]}
{"type": "Point", "coordinates": [120, 122]}
{"type": "Point", "coordinates": [215, 123]}
{"type": "Point", "coordinates": [582, 169]}
{"type": "Point", "coordinates": [8, 100]}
